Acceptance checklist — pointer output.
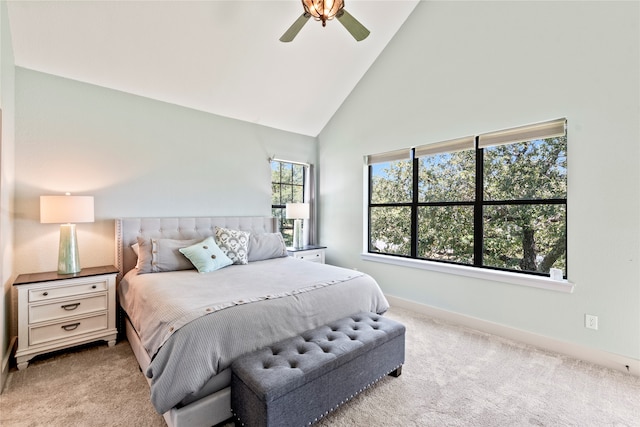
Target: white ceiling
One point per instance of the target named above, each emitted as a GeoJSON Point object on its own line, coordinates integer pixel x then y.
{"type": "Point", "coordinates": [221, 57]}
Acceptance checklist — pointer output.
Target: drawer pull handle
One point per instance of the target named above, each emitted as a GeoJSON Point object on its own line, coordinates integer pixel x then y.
{"type": "Point", "coordinates": [70, 307]}
{"type": "Point", "coordinates": [45, 293]}
{"type": "Point", "coordinates": [93, 287]}
{"type": "Point", "coordinates": [70, 327]}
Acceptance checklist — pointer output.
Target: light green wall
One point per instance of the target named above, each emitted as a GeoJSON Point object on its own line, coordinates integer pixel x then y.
{"type": "Point", "coordinates": [6, 187]}
{"type": "Point", "coordinates": [137, 157]}
{"type": "Point", "coordinates": [460, 68]}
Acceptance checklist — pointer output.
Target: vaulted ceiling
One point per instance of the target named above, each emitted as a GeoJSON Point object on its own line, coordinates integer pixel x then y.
{"type": "Point", "coordinates": [221, 57]}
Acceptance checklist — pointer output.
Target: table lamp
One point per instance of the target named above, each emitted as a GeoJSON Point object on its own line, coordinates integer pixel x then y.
{"type": "Point", "coordinates": [66, 211]}
{"type": "Point", "coordinates": [297, 212]}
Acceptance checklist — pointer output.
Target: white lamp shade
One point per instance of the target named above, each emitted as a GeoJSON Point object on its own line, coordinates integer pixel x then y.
{"type": "Point", "coordinates": [297, 211]}
{"type": "Point", "coordinates": [66, 209]}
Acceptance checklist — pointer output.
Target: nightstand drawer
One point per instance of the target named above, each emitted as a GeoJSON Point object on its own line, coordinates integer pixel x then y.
{"type": "Point", "coordinates": [313, 253]}
{"type": "Point", "coordinates": [62, 309]}
{"type": "Point", "coordinates": [44, 294]}
{"type": "Point", "coordinates": [315, 256]}
{"type": "Point", "coordinates": [66, 329]}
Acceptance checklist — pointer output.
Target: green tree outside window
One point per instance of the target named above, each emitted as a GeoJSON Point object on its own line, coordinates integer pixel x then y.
{"type": "Point", "coordinates": [512, 217]}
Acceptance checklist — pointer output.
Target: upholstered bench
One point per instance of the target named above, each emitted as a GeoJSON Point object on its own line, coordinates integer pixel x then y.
{"type": "Point", "coordinates": [298, 381]}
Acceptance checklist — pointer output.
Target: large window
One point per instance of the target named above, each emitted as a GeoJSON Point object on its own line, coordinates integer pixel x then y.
{"type": "Point", "coordinates": [287, 186]}
{"type": "Point", "coordinates": [496, 200]}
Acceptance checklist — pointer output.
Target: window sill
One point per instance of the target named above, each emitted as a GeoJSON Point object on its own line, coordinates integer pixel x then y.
{"type": "Point", "coordinates": [478, 273]}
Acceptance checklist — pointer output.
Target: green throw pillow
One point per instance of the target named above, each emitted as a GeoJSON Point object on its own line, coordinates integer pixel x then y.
{"type": "Point", "coordinates": [206, 256]}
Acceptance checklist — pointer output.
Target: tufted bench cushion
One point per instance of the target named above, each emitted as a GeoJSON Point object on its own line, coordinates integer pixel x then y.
{"type": "Point", "coordinates": [297, 381]}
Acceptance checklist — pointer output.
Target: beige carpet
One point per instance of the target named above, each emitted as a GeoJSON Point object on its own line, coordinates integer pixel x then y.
{"type": "Point", "coordinates": [452, 377]}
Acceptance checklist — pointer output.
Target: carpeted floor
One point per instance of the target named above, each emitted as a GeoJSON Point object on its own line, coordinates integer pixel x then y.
{"type": "Point", "coordinates": [453, 376]}
{"type": "Point", "coordinates": [87, 386]}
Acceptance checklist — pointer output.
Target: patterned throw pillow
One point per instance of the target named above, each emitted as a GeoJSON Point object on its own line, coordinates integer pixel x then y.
{"type": "Point", "coordinates": [234, 244]}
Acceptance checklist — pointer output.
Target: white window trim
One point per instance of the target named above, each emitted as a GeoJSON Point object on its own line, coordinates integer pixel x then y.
{"type": "Point", "coordinates": [522, 279]}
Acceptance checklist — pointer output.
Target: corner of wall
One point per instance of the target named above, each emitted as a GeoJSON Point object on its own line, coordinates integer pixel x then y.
{"type": "Point", "coordinates": [7, 189]}
{"type": "Point", "coordinates": [4, 371]}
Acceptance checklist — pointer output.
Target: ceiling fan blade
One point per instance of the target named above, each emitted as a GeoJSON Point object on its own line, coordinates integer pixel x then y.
{"type": "Point", "coordinates": [294, 29]}
{"type": "Point", "coordinates": [357, 30]}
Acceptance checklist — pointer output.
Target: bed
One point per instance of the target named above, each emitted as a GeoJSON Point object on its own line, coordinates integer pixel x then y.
{"type": "Point", "coordinates": [186, 327]}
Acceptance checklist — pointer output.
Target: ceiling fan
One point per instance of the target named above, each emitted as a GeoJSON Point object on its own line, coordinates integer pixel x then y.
{"type": "Point", "coordinates": [325, 10]}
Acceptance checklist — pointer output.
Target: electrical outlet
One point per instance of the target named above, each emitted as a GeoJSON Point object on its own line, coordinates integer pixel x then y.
{"type": "Point", "coordinates": [591, 321]}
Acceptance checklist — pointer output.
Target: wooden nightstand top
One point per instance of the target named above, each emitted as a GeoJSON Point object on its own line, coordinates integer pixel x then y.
{"type": "Point", "coordinates": [306, 248]}
{"type": "Point", "coordinates": [48, 276]}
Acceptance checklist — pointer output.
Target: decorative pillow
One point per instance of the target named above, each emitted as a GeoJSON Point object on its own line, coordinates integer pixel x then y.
{"type": "Point", "coordinates": [136, 249]}
{"type": "Point", "coordinates": [266, 246]}
{"type": "Point", "coordinates": [157, 255]}
{"type": "Point", "coordinates": [234, 243]}
{"type": "Point", "coordinates": [206, 256]}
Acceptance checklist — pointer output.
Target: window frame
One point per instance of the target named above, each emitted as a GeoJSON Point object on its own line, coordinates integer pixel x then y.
{"type": "Point", "coordinates": [477, 269]}
{"type": "Point", "coordinates": [286, 225]}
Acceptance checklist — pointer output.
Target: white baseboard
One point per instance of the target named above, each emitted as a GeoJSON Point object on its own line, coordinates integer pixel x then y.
{"type": "Point", "coordinates": [4, 374]}
{"type": "Point", "coordinates": [599, 357]}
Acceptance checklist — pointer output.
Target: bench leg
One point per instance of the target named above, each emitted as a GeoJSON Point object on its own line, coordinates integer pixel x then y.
{"type": "Point", "coordinates": [397, 372]}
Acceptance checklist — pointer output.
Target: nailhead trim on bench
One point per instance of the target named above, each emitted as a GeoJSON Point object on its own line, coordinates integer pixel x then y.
{"type": "Point", "coordinates": [352, 396]}
{"type": "Point", "coordinates": [342, 402]}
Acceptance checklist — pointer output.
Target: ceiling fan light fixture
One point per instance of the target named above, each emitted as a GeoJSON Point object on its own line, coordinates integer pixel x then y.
{"type": "Point", "coordinates": [323, 10]}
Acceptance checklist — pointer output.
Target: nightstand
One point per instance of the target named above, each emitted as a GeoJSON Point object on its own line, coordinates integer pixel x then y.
{"type": "Point", "coordinates": [57, 311]}
{"type": "Point", "coordinates": [312, 253]}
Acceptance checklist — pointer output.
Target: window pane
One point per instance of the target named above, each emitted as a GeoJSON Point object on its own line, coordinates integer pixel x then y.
{"type": "Point", "coordinates": [287, 235]}
{"type": "Point", "coordinates": [286, 227]}
{"type": "Point", "coordinates": [525, 237]}
{"type": "Point", "coordinates": [276, 213]}
{"type": "Point", "coordinates": [298, 174]}
{"type": "Point", "coordinates": [392, 182]}
{"type": "Point", "coordinates": [287, 195]}
{"type": "Point", "coordinates": [448, 177]}
{"type": "Point", "coordinates": [390, 230]}
{"type": "Point", "coordinates": [275, 172]}
{"type": "Point", "coordinates": [445, 233]}
{"type": "Point", "coordinates": [529, 170]}
{"type": "Point", "coordinates": [275, 193]}
{"type": "Point", "coordinates": [298, 193]}
{"type": "Point", "coordinates": [286, 172]}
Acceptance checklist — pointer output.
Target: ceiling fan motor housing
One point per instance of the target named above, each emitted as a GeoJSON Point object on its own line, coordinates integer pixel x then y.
{"type": "Point", "coordinates": [323, 10]}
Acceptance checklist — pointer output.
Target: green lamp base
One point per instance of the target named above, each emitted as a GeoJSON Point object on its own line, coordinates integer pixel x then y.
{"type": "Point", "coordinates": [68, 259]}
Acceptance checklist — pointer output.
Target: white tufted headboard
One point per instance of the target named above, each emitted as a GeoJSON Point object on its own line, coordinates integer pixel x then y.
{"type": "Point", "coordinates": [128, 230]}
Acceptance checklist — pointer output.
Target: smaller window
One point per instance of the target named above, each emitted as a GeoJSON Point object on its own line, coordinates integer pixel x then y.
{"type": "Point", "coordinates": [287, 186]}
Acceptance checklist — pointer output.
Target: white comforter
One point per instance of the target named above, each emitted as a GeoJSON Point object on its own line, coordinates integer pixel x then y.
{"type": "Point", "coordinates": [194, 325]}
